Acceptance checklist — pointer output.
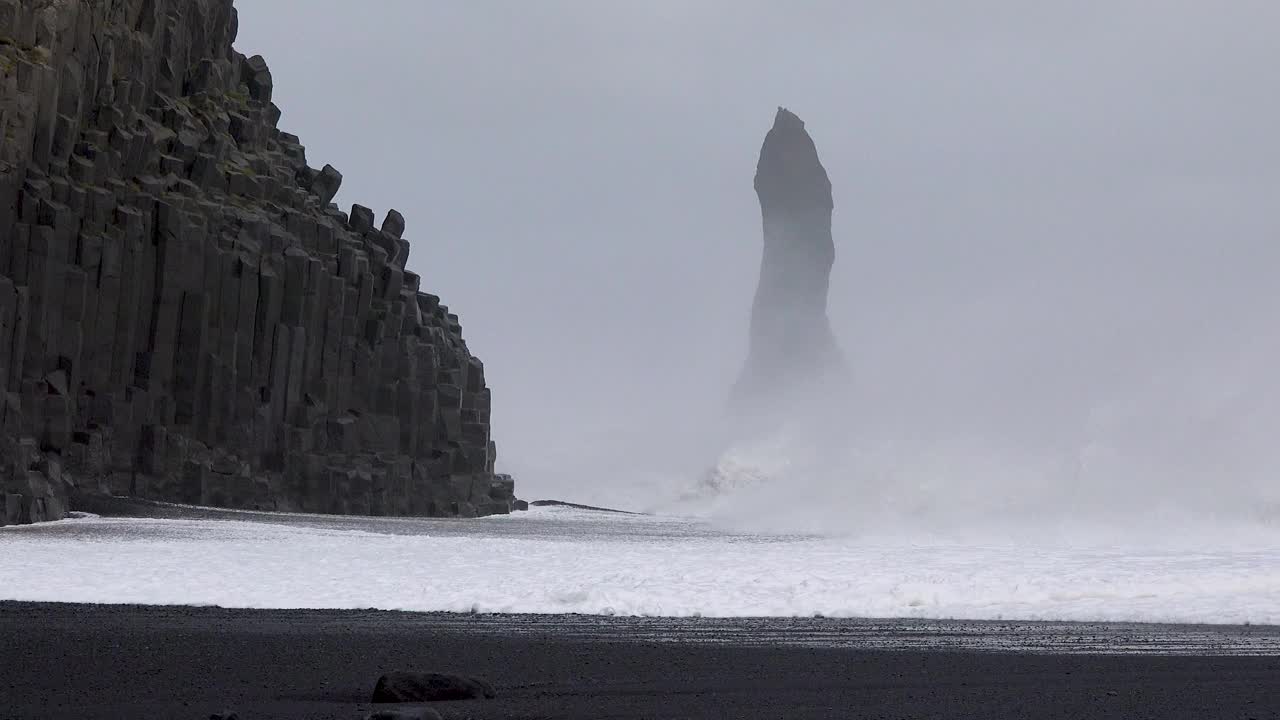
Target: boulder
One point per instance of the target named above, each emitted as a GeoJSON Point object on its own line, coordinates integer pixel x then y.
{"type": "Point", "coordinates": [257, 76]}
{"type": "Point", "coordinates": [405, 714]}
{"type": "Point", "coordinates": [361, 218]}
{"type": "Point", "coordinates": [326, 184]}
{"type": "Point", "coordinates": [405, 686]}
{"type": "Point", "coordinates": [393, 224]}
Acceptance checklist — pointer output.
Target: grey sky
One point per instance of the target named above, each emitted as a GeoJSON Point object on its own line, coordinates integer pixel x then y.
{"type": "Point", "coordinates": [1044, 210]}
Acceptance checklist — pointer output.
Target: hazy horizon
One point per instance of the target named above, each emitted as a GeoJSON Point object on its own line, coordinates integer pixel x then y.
{"type": "Point", "coordinates": [1055, 227]}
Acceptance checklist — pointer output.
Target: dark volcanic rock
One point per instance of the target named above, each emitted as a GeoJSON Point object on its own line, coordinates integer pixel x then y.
{"type": "Point", "coordinates": [361, 219]}
{"type": "Point", "coordinates": [257, 77]}
{"type": "Point", "coordinates": [184, 315]}
{"type": "Point", "coordinates": [326, 184]}
{"type": "Point", "coordinates": [405, 714]}
{"type": "Point", "coordinates": [791, 341]}
{"type": "Point", "coordinates": [393, 224]}
{"type": "Point", "coordinates": [402, 686]}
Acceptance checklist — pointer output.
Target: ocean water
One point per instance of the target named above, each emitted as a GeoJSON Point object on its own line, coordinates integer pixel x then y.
{"type": "Point", "coordinates": [560, 560]}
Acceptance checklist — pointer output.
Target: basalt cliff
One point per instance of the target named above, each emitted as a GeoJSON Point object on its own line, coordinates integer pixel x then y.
{"type": "Point", "coordinates": [185, 315]}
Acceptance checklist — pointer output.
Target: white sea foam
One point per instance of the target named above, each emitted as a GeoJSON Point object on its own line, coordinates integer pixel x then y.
{"type": "Point", "coordinates": [566, 561]}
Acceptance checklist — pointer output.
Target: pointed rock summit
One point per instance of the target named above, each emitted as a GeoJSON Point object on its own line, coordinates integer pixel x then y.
{"type": "Point", "coordinates": [791, 343]}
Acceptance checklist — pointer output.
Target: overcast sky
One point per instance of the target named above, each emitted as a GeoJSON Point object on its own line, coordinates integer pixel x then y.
{"type": "Point", "coordinates": [1049, 215]}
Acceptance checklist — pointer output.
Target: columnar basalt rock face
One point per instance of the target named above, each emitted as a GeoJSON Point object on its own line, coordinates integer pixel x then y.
{"type": "Point", "coordinates": [791, 344]}
{"type": "Point", "coordinates": [184, 315]}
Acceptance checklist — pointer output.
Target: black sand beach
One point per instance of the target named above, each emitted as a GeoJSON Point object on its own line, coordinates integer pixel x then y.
{"type": "Point", "coordinates": [84, 662]}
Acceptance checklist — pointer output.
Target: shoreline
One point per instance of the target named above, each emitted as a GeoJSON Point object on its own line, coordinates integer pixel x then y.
{"type": "Point", "coordinates": [816, 630]}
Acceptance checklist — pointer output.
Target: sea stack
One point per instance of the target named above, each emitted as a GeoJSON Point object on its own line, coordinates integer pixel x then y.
{"type": "Point", "coordinates": [791, 344]}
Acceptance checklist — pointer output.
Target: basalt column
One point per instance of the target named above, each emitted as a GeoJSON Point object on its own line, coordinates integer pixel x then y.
{"type": "Point", "coordinates": [791, 344]}
{"type": "Point", "coordinates": [185, 314]}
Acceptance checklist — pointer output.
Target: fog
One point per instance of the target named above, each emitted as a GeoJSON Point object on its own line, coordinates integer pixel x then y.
{"type": "Point", "coordinates": [1056, 234]}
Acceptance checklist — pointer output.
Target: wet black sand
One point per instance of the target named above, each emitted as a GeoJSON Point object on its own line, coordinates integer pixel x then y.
{"type": "Point", "coordinates": [81, 661]}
